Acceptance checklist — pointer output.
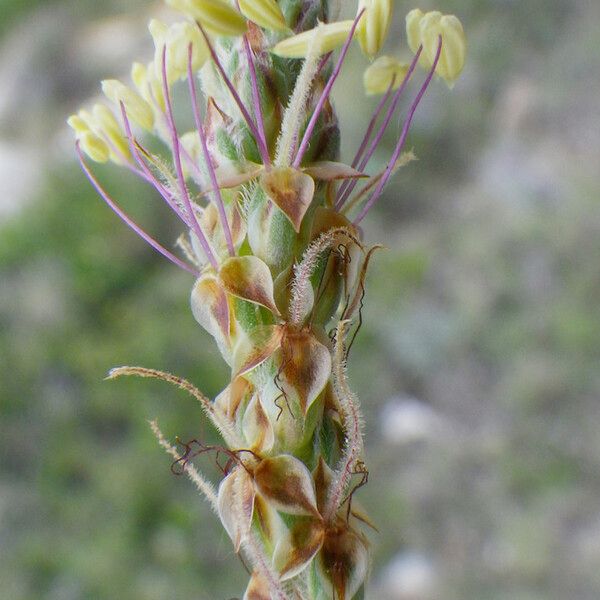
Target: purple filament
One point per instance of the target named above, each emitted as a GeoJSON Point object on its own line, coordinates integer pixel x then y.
{"type": "Point", "coordinates": [367, 135]}
{"type": "Point", "coordinates": [326, 91]}
{"type": "Point", "coordinates": [148, 175]}
{"type": "Point", "coordinates": [264, 153]}
{"type": "Point", "coordinates": [177, 160]}
{"type": "Point", "coordinates": [402, 140]}
{"type": "Point", "coordinates": [128, 221]}
{"type": "Point", "coordinates": [207, 159]}
{"type": "Point", "coordinates": [256, 98]}
{"type": "Point", "coordinates": [382, 129]}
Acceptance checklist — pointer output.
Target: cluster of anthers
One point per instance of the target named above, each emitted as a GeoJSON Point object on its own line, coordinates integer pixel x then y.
{"type": "Point", "coordinates": [271, 219]}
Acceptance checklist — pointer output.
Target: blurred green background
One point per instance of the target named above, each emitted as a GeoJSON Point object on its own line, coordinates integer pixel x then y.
{"type": "Point", "coordinates": [477, 364]}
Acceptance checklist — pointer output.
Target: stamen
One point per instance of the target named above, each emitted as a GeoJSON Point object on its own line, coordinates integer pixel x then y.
{"type": "Point", "coordinates": [382, 129]}
{"type": "Point", "coordinates": [197, 175]}
{"type": "Point", "coordinates": [149, 176]}
{"type": "Point", "coordinates": [372, 122]}
{"type": "Point", "coordinates": [207, 158]}
{"type": "Point", "coordinates": [264, 152]}
{"type": "Point", "coordinates": [177, 159]}
{"type": "Point", "coordinates": [400, 144]}
{"type": "Point", "coordinates": [258, 116]}
{"type": "Point", "coordinates": [366, 139]}
{"type": "Point", "coordinates": [128, 221]}
{"type": "Point", "coordinates": [326, 91]}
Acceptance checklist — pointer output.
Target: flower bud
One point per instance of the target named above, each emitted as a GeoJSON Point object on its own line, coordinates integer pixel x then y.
{"type": "Point", "coordinates": [426, 29]}
{"type": "Point", "coordinates": [265, 13]}
{"type": "Point", "coordinates": [328, 37]}
{"type": "Point", "coordinates": [217, 16]}
{"type": "Point", "coordinates": [379, 75]}
{"type": "Point", "coordinates": [137, 108]}
{"type": "Point", "coordinates": [374, 25]}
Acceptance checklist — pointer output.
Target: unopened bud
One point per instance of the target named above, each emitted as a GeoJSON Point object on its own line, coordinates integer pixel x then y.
{"type": "Point", "coordinates": [328, 37]}
{"type": "Point", "coordinates": [374, 25]}
{"type": "Point", "coordinates": [385, 71]}
{"type": "Point", "coordinates": [265, 13]}
{"type": "Point", "coordinates": [136, 107]}
{"type": "Point", "coordinates": [217, 16]}
{"type": "Point", "coordinates": [426, 29]}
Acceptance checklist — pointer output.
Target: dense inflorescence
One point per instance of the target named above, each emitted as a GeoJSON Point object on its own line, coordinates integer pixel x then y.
{"type": "Point", "coordinates": [271, 220]}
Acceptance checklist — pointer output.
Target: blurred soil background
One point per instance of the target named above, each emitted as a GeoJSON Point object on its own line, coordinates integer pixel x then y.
{"type": "Point", "coordinates": [477, 364]}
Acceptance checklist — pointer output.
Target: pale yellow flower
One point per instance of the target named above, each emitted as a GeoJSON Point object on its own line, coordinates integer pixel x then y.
{"type": "Point", "coordinates": [425, 29]}
{"type": "Point", "coordinates": [265, 13]}
{"type": "Point", "coordinates": [374, 25]}
{"type": "Point", "coordinates": [136, 107]}
{"type": "Point", "coordinates": [379, 75]}
{"type": "Point", "coordinates": [331, 36]}
{"type": "Point", "coordinates": [217, 16]}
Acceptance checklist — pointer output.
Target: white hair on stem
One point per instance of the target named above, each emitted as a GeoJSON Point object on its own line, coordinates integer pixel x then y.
{"type": "Point", "coordinates": [294, 112]}
{"type": "Point", "coordinates": [352, 421]}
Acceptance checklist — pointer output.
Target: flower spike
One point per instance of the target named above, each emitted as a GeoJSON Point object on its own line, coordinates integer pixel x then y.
{"type": "Point", "coordinates": [280, 268]}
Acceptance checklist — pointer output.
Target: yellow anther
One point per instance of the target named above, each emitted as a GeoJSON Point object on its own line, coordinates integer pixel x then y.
{"type": "Point", "coordinates": [426, 29]}
{"type": "Point", "coordinates": [158, 31]}
{"type": "Point", "coordinates": [136, 107]}
{"type": "Point", "coordinates": [265, 13]}
{"type": "Point", "coordinates": [77, 124]}
{"type": "Point", "coordinates": [191, 144]}
{"type": "Point", "coordinates": [95, 147]}
{"type": "Point", "coordinates": [217, 16]}
{"type": "Point", "coordinates": [379, 75]}
{"type": "Point", "coordinates": [413, 30]}
{"type": "Point", "coordinates": [374, 25]}
{"type": "Point", "coordinates": [331, 36]}
{"type": "Point", "coordinates": [148, 85]}
{"type": "Point", "coordinates": [106, 123]}
{"type": "Point", "coordinates": [139, 76]}
{"type": "Point", "coordinates": [177, 39]}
